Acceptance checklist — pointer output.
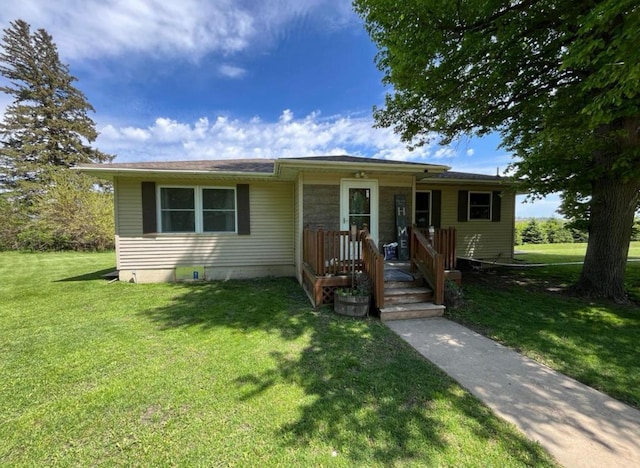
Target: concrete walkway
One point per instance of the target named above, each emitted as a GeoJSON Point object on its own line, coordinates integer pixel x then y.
{"type": "Point", "coordinates": [578, 425]}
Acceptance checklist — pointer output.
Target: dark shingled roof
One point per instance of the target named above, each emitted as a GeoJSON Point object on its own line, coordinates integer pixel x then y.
{"type": "Point", "coordinates": [468, 176]}
{"type": "Point", "coordinates": [221, 165]}
{"type": "Point", "coordinates": [355, 160]}
{"type": "Point", "coordinates": [255, 166]}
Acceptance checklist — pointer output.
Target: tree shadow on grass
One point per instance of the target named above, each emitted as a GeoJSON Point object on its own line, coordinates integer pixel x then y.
{"type": "Point", "coordinates": [369, 395]}
{"type": "Point", "coordinates": [94, 275]}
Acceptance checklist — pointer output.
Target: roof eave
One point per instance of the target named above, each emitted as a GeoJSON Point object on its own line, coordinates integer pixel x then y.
{"type": "Point", "coordinates": [469, 181]}
{"type": "Point", "coordinates": [368, 166]}
{"type": "Point", "coordinates": [111, 172]}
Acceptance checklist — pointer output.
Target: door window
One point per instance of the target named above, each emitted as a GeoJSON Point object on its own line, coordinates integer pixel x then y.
{"type": "Point", "coordinates": [360, 207]}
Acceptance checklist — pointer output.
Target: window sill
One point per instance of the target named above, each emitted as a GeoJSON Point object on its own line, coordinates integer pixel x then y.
{"type": "Point", "coordinates": [189, 234]}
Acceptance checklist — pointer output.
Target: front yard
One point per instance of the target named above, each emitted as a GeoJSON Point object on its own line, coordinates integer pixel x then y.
{"type": "Point", "coordinates": [218, 374]}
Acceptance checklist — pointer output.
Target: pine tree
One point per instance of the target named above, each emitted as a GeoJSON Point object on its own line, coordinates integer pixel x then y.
{"type": "Point", "coordinates": [46, 128]}
{"type": "Point", "coordinates": [533, 233]}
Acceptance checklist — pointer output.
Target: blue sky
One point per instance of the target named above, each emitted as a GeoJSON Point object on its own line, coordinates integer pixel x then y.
{"type": "Point", "coordinates": [214, 79]}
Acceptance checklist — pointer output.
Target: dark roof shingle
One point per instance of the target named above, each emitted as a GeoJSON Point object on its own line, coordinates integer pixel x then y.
{"type": "Point", "coordinates": [220, 165]}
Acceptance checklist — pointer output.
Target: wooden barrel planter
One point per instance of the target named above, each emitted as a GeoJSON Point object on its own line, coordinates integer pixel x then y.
{"type": "Point", "coordinates": [352, 306]}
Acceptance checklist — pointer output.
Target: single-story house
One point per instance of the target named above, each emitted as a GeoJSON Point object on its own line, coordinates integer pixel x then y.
{"type": "Point", "coordinates": [222, 219]}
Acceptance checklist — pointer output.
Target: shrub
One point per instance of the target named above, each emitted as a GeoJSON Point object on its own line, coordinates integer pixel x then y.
{"type": "Point", "coordinates": [556, 231]}
{"type": "Point", "coordinates": [70, 215]}
{"type": "Point", "coordinates": [453, 295]}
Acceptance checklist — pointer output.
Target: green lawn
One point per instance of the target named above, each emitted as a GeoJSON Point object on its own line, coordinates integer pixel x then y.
{"type": "Point", "coordinates": [218, 374]}
{"type": "Point", "coordinates": [572, 253]}
{"type": "Point", "coordinates": [556, 253]}
{"type": "Point", "coordinates": [531, 310]}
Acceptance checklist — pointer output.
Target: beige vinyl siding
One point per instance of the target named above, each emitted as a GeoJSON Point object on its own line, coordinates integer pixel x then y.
{"type": "Point", "coordinates": [271, 241]}
{"type": "Point", "coordinates": [297, 225]}
{"type": "Point", "coordinates": [479, 238]}
{"type": "Point", "coordinates": [333, 178]}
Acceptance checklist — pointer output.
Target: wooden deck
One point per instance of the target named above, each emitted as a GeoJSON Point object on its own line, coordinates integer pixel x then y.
{"type": "Point", "coordinates": [330, 258]}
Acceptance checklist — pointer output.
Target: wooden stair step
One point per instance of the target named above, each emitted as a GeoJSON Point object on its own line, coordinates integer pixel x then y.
{"type": "Point", "coordinates": [411, 311]}
{"type": "Point", "coordinates": [407, 295]}
{"type": "Point", "coordinates": [403, 284]}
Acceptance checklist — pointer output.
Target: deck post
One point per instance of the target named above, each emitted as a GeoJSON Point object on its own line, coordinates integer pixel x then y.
{"type": "Point", "coordinates": [320, 249]}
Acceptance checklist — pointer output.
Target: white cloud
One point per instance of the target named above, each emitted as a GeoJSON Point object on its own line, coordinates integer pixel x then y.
{"type": "Point", "coordinates": [231, 71]}
{"type": "Point", "coordinates": [186, 28]}
{"type": "Point", "coordinates": [226, 138]}
{"type": "Point", "coordinates": [445, 152]}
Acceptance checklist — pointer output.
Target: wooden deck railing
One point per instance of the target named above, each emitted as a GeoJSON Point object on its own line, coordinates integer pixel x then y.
{"type": "Point", "coordinates": [444, 241]}
{"type": "Point", "coordinates": [373, 264]}
{"type": "Point", "coordinates": [429, 262]}
{"type": "Point", "coordinates": [330, 252]}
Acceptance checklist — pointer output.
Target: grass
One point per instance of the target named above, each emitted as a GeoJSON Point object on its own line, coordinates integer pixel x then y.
{"type": "Point", "coordinates": [219, 374]}
{"type": "Point", "coordinates": [564, 275]}
{"type": "Point", "coordinates": [532, 311]}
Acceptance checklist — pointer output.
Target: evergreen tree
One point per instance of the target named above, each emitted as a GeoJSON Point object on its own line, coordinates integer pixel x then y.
{"type": "Point", "coordinates": [534, 233]}
{"type": "Point", "coordinates": [46, 128]}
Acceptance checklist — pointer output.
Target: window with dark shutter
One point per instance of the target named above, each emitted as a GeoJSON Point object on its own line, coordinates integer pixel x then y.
{"type": "Point", "coordinates": [496, 208]}
{"type": "Point", "coordinates": [149, 213]}
{"type": "Point", "coordinates": [436, 208]}
{"type": "Point", "coordinates": [196, 209]}
{"type": "Point", "coordinates": [244, 221]}
{"type": "Point", "coordinates": [463, 205]}
{"type": "Point", "coordinates": [479, 205]}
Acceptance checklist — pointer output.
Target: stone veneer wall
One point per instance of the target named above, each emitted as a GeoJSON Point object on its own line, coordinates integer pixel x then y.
{"type": "Point", "coordinates": [321, 207]}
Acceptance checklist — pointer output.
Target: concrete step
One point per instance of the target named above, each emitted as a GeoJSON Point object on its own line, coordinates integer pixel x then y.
{"type": "Point", "coordinates": [407, 295]}
{"type": "Point", "coordinates": [411, 311]}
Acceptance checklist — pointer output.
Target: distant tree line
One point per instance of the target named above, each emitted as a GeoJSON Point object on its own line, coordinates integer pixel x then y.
{"type": "Point", "coordinates": [557, 231]}
{"type": "Point", "coordinates": [44, 133]}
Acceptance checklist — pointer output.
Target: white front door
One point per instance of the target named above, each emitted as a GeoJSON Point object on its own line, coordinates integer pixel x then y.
{"type": "Point", "coordinates": [359, 205]}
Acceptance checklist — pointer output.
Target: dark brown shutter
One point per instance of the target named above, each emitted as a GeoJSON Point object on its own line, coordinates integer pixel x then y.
{"type": "Point", "coordinates": [242, 200]}
{"type": "Point", "coordinates": [436, 208]}
{"type": "Point", "coordinates": [149, 212]}
{"type": "Point", "coordinates": [496, 206]}
{"type": "Point", "coordinates": [463, 205]}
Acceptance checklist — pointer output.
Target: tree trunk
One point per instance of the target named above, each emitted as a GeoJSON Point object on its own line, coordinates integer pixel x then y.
{"type": "Point", "coordinates": [613, 208]}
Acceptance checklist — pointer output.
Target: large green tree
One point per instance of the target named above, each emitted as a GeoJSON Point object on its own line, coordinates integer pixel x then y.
{"type": "Point", "coordinates": [46, 128]}
{"type": "Point", "coordinates": [559, 79]}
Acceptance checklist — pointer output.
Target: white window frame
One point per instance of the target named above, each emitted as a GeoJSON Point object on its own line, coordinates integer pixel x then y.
{"type": "Point", "coordinates": [415, 208]}
{"type": "Point", "coordinates": [198, 207]}
{"type": "Point", "coordinates": [469, 218]}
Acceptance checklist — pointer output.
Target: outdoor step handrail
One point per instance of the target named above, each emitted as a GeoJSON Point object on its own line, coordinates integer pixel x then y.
{"type": "Point", "coordinates": [373, 265]}
{"type": "Point", "coordinates": [425, 258]}
{"type": "Point", "coordinates": [444, 241]}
